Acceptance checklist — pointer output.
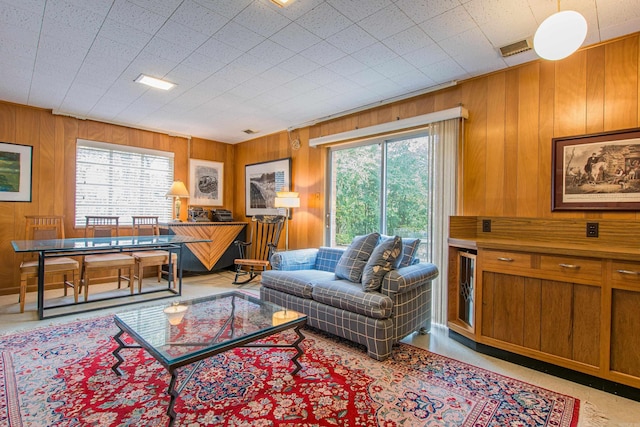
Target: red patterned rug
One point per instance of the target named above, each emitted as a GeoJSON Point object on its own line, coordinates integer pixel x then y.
{"type": "Point", "coordinates": [61, 376]}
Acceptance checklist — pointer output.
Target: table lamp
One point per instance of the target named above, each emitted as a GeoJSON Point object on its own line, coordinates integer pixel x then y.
{"type": "Point", "coordinates": [287, 200]}
{"type": "Point", "coordinates": [177, 191]}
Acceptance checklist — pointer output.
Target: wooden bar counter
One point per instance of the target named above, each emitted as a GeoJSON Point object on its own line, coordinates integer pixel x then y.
{"type": "Point", "coordinates": [215, 255]}
{"type": "Point", "coordinates": [541, 289]}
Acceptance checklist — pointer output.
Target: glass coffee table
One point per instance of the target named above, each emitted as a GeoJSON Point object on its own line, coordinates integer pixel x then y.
{"type": "Point", "coordinates": [188, 332]}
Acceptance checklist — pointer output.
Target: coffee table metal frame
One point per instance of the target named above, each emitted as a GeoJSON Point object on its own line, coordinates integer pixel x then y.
{"type": "Point", "coordinates": [212, 347]}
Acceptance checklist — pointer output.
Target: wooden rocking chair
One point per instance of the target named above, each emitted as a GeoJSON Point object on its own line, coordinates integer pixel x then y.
{"type": "Point", "coordinates": [263, 241]}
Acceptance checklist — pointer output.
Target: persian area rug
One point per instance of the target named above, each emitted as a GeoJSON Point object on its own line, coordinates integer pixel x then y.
{"type": "Point", "coordinates": [61, 376]}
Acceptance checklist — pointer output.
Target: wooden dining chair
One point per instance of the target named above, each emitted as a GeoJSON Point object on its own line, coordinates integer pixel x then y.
{"type": "Point", "coordinates": [148, 226]}
{"type": "Point", "coordinates": [105, 226]}
{"type": "Point", "coordinates": [255, 253]}
{"type": "Point", "coordinates": [43, 227]}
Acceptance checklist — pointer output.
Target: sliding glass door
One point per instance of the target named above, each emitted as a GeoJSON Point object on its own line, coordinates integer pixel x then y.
{"type": "Point", "coordinates": [384, 186]}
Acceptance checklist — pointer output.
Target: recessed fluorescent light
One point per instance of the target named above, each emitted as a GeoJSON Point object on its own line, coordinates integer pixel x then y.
{"type": "Point", "coordinates": [282, 3]}
{"type": "Point", "coordinates": [153, 82]}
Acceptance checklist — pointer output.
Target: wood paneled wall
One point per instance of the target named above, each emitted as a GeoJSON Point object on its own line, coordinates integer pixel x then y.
{"type": "Point", "coordinates": [53, 183]}
{"type": "Point", "coordinates": [506, 158]}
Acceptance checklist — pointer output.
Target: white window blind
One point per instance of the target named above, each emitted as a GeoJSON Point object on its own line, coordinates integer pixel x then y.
{"type": "Point", "coordinates": [122, 181]}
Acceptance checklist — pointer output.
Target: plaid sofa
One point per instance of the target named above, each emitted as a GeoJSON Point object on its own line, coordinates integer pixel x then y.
{"type": "Point", "coordinates": [304, 280]}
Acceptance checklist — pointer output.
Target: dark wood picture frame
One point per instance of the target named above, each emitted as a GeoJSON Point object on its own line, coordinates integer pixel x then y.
{"type": "Point", "coordinates": [262, 181]}
{"type": "Point", "coordinates": [597, 171]}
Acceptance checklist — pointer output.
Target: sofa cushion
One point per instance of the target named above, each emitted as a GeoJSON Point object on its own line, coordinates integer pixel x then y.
{"type": "Point", "coordinates": [382, 260]}
{"type": "Point", "coordinates": [298, 282]}
{"type": "Point", "coordinates": [349, 296]}
{"type": "Point", "coordinates": [409, 250]}
{"type": "Point", "coordinates": [354, 259]}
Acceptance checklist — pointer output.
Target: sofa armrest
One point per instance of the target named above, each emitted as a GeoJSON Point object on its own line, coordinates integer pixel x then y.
{"type": "Point", "coordinates": [299, 259]}
{"type": "Point", "coordinates": [407, 278]}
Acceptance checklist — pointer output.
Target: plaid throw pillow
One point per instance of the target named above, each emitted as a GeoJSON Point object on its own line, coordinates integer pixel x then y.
{"type": "Point", "coordinates": [409, 249]}
{"type": "Point", "coordinates": [382, 260]}
{"type": "Point", "coordinates": [354, 259]}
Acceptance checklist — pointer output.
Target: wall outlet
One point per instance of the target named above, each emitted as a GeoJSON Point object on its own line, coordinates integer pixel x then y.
{"type": "Point", "coordinates": [486, 226]}
{"type": "Point", "coordinates": [592, 229]}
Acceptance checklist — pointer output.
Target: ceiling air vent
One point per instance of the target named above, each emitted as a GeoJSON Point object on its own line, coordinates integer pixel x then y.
{"type": "Point", "coordinates": [250, 131]}
{"type": "Point", "coordinates": [515, 48]}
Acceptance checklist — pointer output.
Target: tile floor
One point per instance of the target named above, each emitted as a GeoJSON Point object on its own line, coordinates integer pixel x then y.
{"type": "Point", "coordinates": [616, 411]}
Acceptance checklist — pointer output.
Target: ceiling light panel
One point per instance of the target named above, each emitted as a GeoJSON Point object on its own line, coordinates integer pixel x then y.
{"type": "Point", "coordinates": [153, 82]}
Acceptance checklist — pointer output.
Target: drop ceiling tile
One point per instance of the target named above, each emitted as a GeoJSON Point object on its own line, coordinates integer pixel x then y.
{"type": "Point", "coordinates": [426, 55]}
{"type": "Point", "coordinates": [413, 81]}
{"type": "Point", "coordinates": [627, 27]}
{"type": "Point", "coordinates": [367, 77]}
{"type": "Point", "coordinates": [126, 90]}
{"type": "Point", "coordinates": [179, 34]}
{"type": "Point", "coordinates": [411, 39]}
{"type": "Point", "coordinates": [444, 71]}
{"type": "Point", "coordinates": [161, 7]}
{"type": "Point", "coordinates": [101, 75]}
{"type": "Point", "coordinates": [440, 28]}
{"type": "Point", "coordinates": [233, 74]}
{"type": "Point", "coordinates": [347, 66]}
{"type": "Point", "coordinates": [60, 30]}
{"type": "Point", "coordinates": [323, 76]}
{"type": "Point", "coordinates": [203, 63]}
{"type": "Point", "coordinates": [81, 97]}
{"type": "Point", "coordinates": [225, 7]}
{"type": "Point", "coordinates": [271, 52]}
{"type": "Point", "coordinates": [14, 88]}
{"type": "Point", "coordinates": [130, 14]}
{"type": "Point", "coordinates": [386, 22]}
{"type": "Point", "coordinates": [503, 23]}
{"type": "Point", "coordinates": [124, 34]}
{"type": "Point", "coordinates": [162, 48]}
{"type": "Point", "coordinates": [18, 46]}
{"type": "Point", "coordinates": [270, 98]}
{"type": "Point", "coordinates": [218, 50]}
{"type": "Point", "coordinates": [149, 64]}
{"type": "Point", "coordinates": [324, 21]}
{"type": "Point", "coordinates": [23, 18]}
{"type": "Point", "coordinates": [105, 47]}
{"type": "Point", "coordinates": [471, 42]}
{"type": "Point", "coordinates": [421, 10]}
{"type": "Point", "coordinates": [481, 64]}
{"type": "Point", "coordinates": [55, 48]}
{"type": "Point", "coordinates": [199, 18]}
{"type": "Point", "coordinates": [323, 53]}
{"type": "Point", "coordinates": [108, 108]}
{"type": "Point", "coordinates": [374, 54]}
{"type": "Point", "coordinates": [394, 67]}
{"type": "Point", "coordinates": [296, 9]}
{"type": "Point", "coordinates": [298, 65]}
{"type": "Point", "coordinates": [356, 11]}
{"type": "Point", "coordinates": [251, 64]}
{"type": "Point", "coordinates": [260, 18]}
{"type": "Point", "coordinates": [278, 76]}
{"type": "Point", "coordinates": [100, 7]}
{"type": "Point", "coordinates": [76, 17]}
{"type": "Point", "coordinates": [298, 86]}
{"type": "Point", "coordinates": [35, 6]}
{"type": "Point", "coordinates": [351, 39]}
{"type": "Point", "coordinates": [295, 38]}
{"type": "Point", "coordinates": [238, 36]}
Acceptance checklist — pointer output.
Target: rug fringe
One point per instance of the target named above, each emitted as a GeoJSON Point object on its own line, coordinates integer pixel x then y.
{"type": "Point", "coordinates": [590, 416]}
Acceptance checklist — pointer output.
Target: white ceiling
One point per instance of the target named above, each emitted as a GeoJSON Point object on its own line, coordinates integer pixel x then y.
{"type": "Point", "coordinates": [248, 64]}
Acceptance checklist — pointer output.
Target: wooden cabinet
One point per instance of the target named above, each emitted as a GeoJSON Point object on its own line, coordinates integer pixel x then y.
{"type": "Point", "coordinates": [575, 305]}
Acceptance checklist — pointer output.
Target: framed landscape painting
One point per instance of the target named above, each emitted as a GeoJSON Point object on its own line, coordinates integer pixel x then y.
{"type": "Point", "coordinates": [597, 172]}
{"type": "Point", "coordinates": [206, 181]}
{"type": "Point", "coordinates": [262, 181]}
{"type": "Point", "coordinates": [15, 172]}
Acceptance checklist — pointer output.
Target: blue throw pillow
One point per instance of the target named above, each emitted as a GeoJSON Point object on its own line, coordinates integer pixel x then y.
{"type": "Point", "coordinates": [355, 257]}
{"type": "Point", "coordinates": [409, 249]}
{"type": "Point", "coordinates": [382, 260]}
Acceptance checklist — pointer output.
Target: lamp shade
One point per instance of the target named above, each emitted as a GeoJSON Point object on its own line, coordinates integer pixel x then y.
{"type": "Point", "coordinates": [287, 199]}
{"type": "Point", "coordinates": [178, 189]}
{"type": "Point", "coordinates": [560, 35]}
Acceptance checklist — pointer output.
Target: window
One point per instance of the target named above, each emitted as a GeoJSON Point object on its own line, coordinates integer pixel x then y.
{"type": "Point", "coordinates": [121, 181]}
{"type": "Point", "coordinates": [382, 186]}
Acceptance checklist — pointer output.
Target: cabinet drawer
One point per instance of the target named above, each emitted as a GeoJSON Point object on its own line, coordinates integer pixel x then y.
{"type": "Point", "coordinates": [505, 259]}
{"type": "Point", "coordinates": [573, 267]}
{"type": "Point", "coordinates": [626, 273]}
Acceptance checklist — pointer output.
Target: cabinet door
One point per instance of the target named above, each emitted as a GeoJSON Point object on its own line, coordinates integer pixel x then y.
{"type": "Point", "coordinates": [503, 307]}
{"type": "Point", "coordinates": [625, 324]}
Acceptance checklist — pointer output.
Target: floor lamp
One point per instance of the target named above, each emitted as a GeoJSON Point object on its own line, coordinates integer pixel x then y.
{"type": "Point", "coordinates": [177, 191]}
{"type": "Point", "coordinates": [287, 200]}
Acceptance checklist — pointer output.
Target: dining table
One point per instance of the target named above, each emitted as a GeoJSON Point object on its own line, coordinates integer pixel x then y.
{"type": "Point", "coordinates": [80, 247]}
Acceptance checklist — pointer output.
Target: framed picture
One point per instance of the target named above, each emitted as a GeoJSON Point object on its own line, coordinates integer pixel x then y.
{"type": "Point", "coordinates": [262, 181]}
{"type": "Point", "coordinates": [597, 172]}
{"type": "Point", "coordinates": [206, 180]}
{"type": "Point", "coordinates": [15, 172]}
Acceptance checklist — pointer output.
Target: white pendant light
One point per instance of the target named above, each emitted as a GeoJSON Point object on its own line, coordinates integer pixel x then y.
{"type": "Point", "coordinates": [560, 35]}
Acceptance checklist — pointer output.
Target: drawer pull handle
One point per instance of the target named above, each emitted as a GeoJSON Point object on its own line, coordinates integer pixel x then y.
{"type": "Point", "coordinates": [505, 259]}
{"type": "Point", "coordinates": [634, 273]}
{"type": "Point", "coordinates": [572, 266]}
